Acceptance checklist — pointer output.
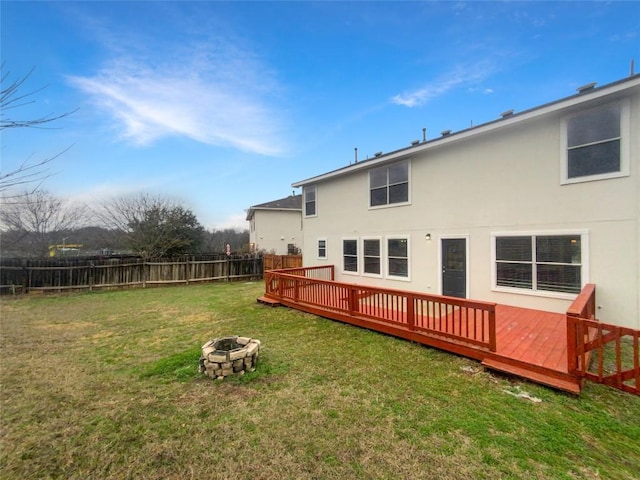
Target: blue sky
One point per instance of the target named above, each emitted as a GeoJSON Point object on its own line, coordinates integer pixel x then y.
{"type": "Point", "coordinates": [222, 105]}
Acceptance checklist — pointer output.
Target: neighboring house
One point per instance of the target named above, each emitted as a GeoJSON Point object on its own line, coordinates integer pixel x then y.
{"type": "Point", "coordinates": [524, 210]}
{"type": "Point", "coordinates": [276, 227]}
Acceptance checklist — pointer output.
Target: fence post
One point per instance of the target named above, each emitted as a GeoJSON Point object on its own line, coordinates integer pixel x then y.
{"type": "Point", "coordinates": [91, 275]}
{"type": "Point", "coordinates": [144, 272]}
{"type": "Point", "coordinates": [186, 270]}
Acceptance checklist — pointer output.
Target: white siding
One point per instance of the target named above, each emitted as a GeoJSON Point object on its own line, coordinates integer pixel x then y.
{"type": "Point", "coordinates": [505, 180]}
{"type": "Point", "coordinates": [275, 229]}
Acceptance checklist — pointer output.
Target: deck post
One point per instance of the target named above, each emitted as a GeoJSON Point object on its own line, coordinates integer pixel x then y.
{"type": "Point", "coordinates": [411, 318]}
{"type": "Point", "coordinates": [572, 336]}
{"type": "Point", "coordinates": [353, 301]}
{"type": "Point", "coordinates": [492, 329]}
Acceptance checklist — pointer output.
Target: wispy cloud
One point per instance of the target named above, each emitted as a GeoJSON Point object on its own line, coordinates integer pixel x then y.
{"type": "Point", "coordinates": [212, 93]}
{"type": "Point", "coordinates": [461, 76]}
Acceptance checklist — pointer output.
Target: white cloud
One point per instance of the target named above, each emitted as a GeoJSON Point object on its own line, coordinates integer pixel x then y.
{"type": "Point", "coordinates": [459, 77]}
{"type": "Point", "coordinates": [210, 93]}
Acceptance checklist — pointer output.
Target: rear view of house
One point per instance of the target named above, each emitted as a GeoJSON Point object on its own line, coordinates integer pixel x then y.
{"type": "Point", "coordinates": [524, 210]}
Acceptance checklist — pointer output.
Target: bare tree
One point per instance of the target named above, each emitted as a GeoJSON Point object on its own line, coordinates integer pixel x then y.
{"type": "Point", "coordinates": [156, 226]}
{"type": "Point", "coordinates": [12, 96]}
{"type": "Point", "coordinates": [37, 220]}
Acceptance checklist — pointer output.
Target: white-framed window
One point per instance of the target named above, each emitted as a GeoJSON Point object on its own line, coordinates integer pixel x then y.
{"type": "Point", "coordinates": [372, 256]}
{"type": "Point", "coordinates": [350, 255]}
{"type": "Point", "coordinates": [322, 248]}
{"type": "Point", "coordinates": [546, 263]}
{"type": "Point", "coordinates": [595, 144]}
{"type": "Point", "coordinates": [397, 257]}
{"type": "Point", "coordinates": [389, 185]}
{"type": "Point", "coordinates": [310, 207]}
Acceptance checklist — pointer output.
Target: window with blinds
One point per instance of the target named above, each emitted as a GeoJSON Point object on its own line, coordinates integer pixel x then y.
{"type": "Point", "coordinates": [539, 262]}
{"type": "Point", "coordinates": [350, 255]}
{"type": "Point", "coordinates": [371, 255]}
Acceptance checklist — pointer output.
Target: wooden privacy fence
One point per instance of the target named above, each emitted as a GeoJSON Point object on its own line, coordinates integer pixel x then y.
{"type": "Point", "coordinates": [602, 353]}
{"type": "Point", "coordinates": [278, 262]}
{"type": "Point", "coordinates": [460, 320]}
{"type": "Point", "coordinates": [72, 274]}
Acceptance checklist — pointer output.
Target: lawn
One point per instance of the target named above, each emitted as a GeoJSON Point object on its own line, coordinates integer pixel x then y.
{"type": "Point", "coordinates": [105, 385]}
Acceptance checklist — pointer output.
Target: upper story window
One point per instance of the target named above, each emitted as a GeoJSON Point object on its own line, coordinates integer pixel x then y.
{"type": "Point", "coordinates": [389, 185]}
{"type": "Point", "coordinates": [310, 201]}
{"type": "Point", "coordinates": [595, 144]}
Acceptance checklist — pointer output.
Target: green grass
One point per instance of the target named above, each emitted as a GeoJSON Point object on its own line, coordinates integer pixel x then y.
{"type": "Point", "coordinates": [106, 385]}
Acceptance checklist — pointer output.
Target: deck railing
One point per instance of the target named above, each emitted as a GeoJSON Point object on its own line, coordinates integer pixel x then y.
{"type": "Point", "coordinates": [461, 320]}
{"type": "Point", "coordinates": [607, 354]}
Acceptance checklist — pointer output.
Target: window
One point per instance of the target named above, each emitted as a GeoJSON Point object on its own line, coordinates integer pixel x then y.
{"type": "Point", "coordinates": [322, 248]}
{"type": "Point", "coordinates": [551, 263]}
{"type": "Point", "coordinates": [310, 201]}
{"type": "Point", "coordinates": [389, 185]}
{"type": "Point", "coordinates": [595, 144]}
{"type": "Point", "coordinates": [398, 257]}
{"type": "Point", "coordinates": [350, 255]}
{"type": "Point", "coordinates": [371, 254]}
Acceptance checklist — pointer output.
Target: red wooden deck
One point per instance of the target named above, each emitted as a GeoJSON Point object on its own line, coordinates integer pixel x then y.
{"type": "Point", "coordinates": [532, 344]}
{"type": "Point", "coordinates": [528, 343]}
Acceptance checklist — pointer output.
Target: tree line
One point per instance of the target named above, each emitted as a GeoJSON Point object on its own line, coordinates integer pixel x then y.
{"type": "Point", "coordinates": [142, 224]}
{"type": "Point", "coordinates": [32, 220]}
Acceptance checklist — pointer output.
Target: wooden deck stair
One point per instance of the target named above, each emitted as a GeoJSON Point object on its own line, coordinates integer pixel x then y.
{"type": "Point", "coordinates": [268, 301]}
{"type": "Point", "coordinates": [543, 376]}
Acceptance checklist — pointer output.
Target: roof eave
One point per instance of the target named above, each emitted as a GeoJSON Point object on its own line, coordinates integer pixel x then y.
{"type": "Point", "coordinates": [545, 109]}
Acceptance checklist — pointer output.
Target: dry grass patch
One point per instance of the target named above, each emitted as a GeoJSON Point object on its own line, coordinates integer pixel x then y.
{"type": "Point", "coordinates": [105, 385]}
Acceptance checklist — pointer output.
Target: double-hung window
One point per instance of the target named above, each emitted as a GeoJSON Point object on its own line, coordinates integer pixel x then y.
{"type": "Point", "coordinates": [540, 263]}
{"type": "Point", "coordinates": [350, 255]}
{"type": "Point", "coordinates": [389, 185]}
{"type": "Point", "coordinates": [322, 248]}
{"type": "Point", "coordinates": [398, 257]}
{"type": "Point", "coordinates": [595, 143]}
{"type": "Point", "coordinates": [310, 201]}
{"type": "Point", "coordinates": [372, 254]}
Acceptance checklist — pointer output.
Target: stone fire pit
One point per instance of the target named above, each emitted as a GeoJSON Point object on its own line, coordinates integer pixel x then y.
{"type": "Point", "coordinates": [228, 356]}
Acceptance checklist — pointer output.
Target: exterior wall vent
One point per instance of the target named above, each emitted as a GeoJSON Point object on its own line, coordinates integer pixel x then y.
{"type": "Point", "coordinates": [508, 113]}
{"type": "Point", "coordinates": [444, 133]}
{"type": "Point", "coordinates": [586, 88]}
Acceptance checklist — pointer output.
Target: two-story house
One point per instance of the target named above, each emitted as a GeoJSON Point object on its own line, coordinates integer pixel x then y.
{"type": "Point", "coordinates": [524, 210]}
{"type": "Point", "coordinates": [276, 226]}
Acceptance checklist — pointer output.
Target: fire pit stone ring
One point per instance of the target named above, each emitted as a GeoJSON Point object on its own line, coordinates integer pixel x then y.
{"type": "Point", "coordinates": [231, 355]}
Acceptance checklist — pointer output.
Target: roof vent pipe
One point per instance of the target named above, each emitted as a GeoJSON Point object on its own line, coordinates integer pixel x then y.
{"type": "Point", "coordinates": [356, 153]}
{"type": "Point", "coordinates": [424, 134]}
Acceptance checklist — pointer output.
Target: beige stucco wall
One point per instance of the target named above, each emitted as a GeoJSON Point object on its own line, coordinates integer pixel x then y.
{"type": "Point", "coordinates": [507, 180]}
{"type": "Point", "coordinates": [273, 230]}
